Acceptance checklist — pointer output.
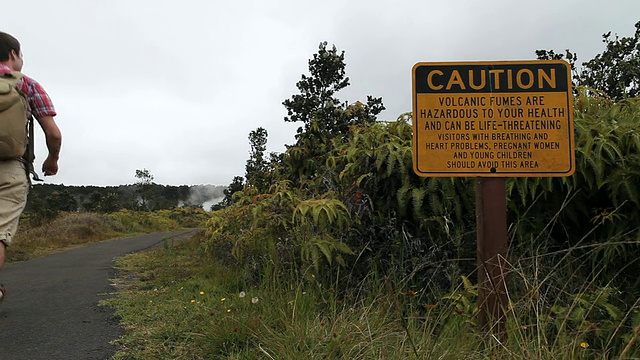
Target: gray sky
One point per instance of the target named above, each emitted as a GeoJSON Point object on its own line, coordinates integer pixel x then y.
{"type": "Point", "coordinates": [176, 86]}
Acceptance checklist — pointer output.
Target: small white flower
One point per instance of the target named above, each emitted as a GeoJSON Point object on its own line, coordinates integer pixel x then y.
{"type": "Point", "coordinates": [242, 294]}
{"type": "Point", "coordinates": [254, 300]}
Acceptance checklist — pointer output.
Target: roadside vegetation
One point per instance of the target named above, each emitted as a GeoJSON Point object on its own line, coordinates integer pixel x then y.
{"type": "Point", "coordinates": [335, 249]}
{"type": "Point", "coordinates": [40, 236]}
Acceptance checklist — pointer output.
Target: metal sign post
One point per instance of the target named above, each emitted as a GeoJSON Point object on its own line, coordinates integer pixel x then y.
{"type": "Point", "coordinates": [493, 120]}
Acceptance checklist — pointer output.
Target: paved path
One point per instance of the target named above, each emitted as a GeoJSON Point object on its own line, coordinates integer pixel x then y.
{"type": "Point", "coordinates": [52, 309]}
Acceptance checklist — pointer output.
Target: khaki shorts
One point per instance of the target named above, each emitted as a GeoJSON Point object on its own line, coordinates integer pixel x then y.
{"type": "Point", "coordinates": [14, 187]}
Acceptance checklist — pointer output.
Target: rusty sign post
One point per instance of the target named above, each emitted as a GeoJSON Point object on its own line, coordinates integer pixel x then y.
{"type": "Point", "coordinates": [493, 120]}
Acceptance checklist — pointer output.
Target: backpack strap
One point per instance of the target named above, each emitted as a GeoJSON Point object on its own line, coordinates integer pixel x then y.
{"type": "Point", "coordinates": [30, 154]}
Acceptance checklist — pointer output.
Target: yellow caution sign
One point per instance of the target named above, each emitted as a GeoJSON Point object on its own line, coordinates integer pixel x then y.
{"type": "Point", "coordinates": [495, 119]}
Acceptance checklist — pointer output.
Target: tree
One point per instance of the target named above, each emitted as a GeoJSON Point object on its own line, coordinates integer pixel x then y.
{"type": "Point", "coordinates": [237, 184]}
{"type": "Point", "coordinates": [316, 105]}
{"type": "Point", "coordinates": [616, 71]}
{"type": "Point", "coordinates": [257, 166]}
{"type": "Point", "coordinates": [110, 203]}
{"type": "Point", "coordinates": [40, 212]}
{"type": "Point", "coordinates": [92, 204]}
{"type": "Point", "coordinates": [62, 201]}
{"type": "Point", "coordinates": [144, 184]}
{"type": "Point", "coordinates": [45, 207]}
{"type": "Point", "coordinates": [323, 115]}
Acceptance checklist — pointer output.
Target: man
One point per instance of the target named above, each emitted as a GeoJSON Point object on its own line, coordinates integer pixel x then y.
{"type": "Point", "coordinates": [14, 178]}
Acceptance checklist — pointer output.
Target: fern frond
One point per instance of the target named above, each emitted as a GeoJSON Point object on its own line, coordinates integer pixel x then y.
{"type": "Point", "coordinates": [403, 197]}
{"type": "Point", "coordinates": [418, 194]}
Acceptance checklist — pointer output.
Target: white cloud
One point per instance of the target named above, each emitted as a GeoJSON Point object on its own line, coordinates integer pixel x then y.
{"type": "Point", "coordinates": [177, 87]}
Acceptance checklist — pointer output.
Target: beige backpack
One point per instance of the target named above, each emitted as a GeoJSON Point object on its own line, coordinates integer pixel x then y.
{"type": "Point", "coordinates": [15, 128]}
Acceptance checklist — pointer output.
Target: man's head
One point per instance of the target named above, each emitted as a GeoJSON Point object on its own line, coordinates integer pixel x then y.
{"type": "Point", "coordinates": [10, 52]}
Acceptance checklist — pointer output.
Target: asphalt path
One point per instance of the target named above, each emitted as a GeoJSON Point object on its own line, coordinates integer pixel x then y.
{"type": "Point", "coordinates": [52, 312]}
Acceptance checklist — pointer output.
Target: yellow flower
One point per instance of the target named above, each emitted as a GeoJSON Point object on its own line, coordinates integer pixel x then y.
{"type": "Point", "coordinates": [228, 310]}
{"type": "Point", "coordinates": [223, 299]}
{"type": "Point", "coordinates": [192, 301]}
{"type": "Point", "coordinates": [584, 345]}
{"type": "Point", "coordinates": [201, 292]}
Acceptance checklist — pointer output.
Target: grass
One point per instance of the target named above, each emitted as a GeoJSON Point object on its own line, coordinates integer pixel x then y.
{"type": "Point", "coordinates": [177, 303]}
{"type": "Point", "coordinates": [69, 230]}
{"type": "Point", "coordinates": [65, 232]}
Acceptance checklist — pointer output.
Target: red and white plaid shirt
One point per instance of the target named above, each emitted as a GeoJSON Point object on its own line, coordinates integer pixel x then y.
{"type": "Point", "coordinates": [39, 102]}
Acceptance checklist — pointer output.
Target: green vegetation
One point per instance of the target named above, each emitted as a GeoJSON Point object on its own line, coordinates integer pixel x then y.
{"type": "Point", "coordinates": [46, 201]}
{"type": "Point", "coordinates": [67, 230]}
{"type": "Point", "coordinates": [180, 304]}
{"type": "Point", "coordinates": [58, 216]}
{"type": "Point", "coordinates": [350, 255]}
{"type": "Point", "coordinates": [616, 71]}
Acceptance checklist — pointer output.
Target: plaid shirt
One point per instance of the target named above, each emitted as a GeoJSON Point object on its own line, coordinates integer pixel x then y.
{"type": "Point", "coordinates": [39, 102]}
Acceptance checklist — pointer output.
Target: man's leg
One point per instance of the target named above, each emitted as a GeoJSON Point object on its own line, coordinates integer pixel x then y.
{"type": "Point", "coordinates": [2, 252]}
{"type": "Point", "coordinates": [14, 186]}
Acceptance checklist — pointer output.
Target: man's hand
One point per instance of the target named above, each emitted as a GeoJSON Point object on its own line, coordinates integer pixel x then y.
{"type": "Point", "coordinates": [54, 141]}
{"type": "Point", "coordinates": [50, 166]}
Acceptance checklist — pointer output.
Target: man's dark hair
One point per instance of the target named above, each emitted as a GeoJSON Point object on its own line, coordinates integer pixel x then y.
{"type": "Point", "coordinates": [8, 43]}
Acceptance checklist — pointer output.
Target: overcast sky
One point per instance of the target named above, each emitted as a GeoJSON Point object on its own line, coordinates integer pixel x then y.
{"type": "Point", "coordinates": [176, 86]}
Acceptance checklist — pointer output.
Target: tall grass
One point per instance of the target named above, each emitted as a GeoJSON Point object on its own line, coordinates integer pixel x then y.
{"type": "Point", "coordinates": [182, 303]}
{"type": "Point", "coordinates": [72, 229]}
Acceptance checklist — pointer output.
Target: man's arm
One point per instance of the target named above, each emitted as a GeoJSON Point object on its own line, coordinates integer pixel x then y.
{"type": "Point", "coordinates": [54, 142]}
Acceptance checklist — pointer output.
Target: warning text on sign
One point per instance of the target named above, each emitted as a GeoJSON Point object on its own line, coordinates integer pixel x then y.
{"type": "Point", "coordinates": [493, 119]}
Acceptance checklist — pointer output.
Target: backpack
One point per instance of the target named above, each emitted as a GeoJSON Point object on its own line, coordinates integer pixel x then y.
{"type": "Point", "coordinates": [16, 127]}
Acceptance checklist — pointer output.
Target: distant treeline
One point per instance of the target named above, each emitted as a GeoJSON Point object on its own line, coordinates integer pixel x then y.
{"type": "Point", "coordinates": [52, 198]}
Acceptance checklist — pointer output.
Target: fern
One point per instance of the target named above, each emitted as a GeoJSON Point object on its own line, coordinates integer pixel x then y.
{"type": "Point", "coordinates": [417, 195]}
{"type": "Point", "coordinates": [403, 198]}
